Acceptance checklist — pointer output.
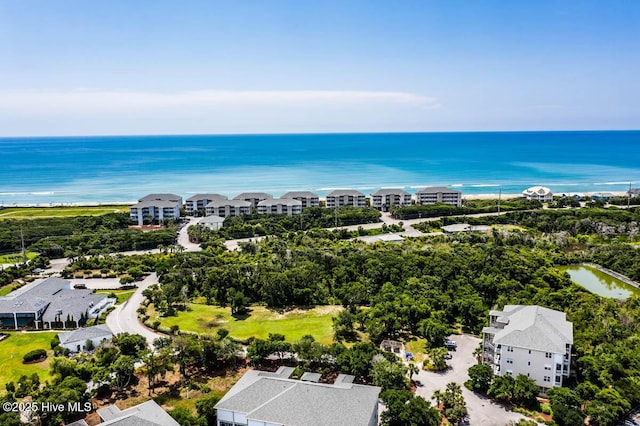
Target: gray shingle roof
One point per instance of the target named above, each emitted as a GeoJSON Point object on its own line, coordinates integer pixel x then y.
{"type": "Point", "coordinates": [343, 192]}
{"type": "Point", "coordinates": [211, 219]}
{"type": "Point", "coordinates": [207, 197]}
{"type": "Point", "coordinates": [146, 414]}
{"type": "Point", "coordinates": [86, 333]}
{"type": "Point", "coordinates": [154, 203]}
{"type": "Point", "coordinates": [275, 399]}
{"type": "Point", "coordinates": [161, 197]}
{"type": "Point", "coordinates": [535, 327]}
{"type": "Point", "coordinates": [391, 191]}
{"type": "Point", "coordinates": [73, 303]}
{"type": "Point", "coordinates": [284, 201]}
{"type": "Point", "coordinates": [232, 203]}
{"type": "Point", "coordinates": [32, 297]}
{"type": "Point", "coordinates": [299, 194]}
{"type": "Point", "coordinates": [249, 195]}
{"type": "Point", "coordinates": [436, 189]}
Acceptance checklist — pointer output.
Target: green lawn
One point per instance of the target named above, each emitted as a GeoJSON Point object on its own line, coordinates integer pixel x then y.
{"type": "Point", "coordinates": [260, 322]}
{"type": "Point", "coordinates": [121, 295]}
{"type": "Point", "coordinates": [34, 212]}
{"type": "Point", "coordinates": [14, 347]}
{"type": "Point", "coordinates": [16, 257]}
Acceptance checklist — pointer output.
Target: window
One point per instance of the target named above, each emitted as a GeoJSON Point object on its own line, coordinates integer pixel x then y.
{"type": "Point", "coordinates": [547, 378]}
{"type": "Point", "coordinates": [547, 367]}
{"type": "Point", "coordinates": [558, 367]}
{"type": "Point", "coordinates": [509, 360]}
{"type": "Point", "coordinates": [529, 351]}
{"type": "Point", "coordinates": [558, 379]}
{"type": "Point", "coordinates": [548, 354]}
{"type": "Point", "coordinates": [509, 348]}
{"type": "Point", "coordinates": [509, 372]}
{"type": "Point", "coordinates": [529, 363]}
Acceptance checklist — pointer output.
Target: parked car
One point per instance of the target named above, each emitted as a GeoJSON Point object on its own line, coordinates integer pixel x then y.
{"type": "Point", "coordinates": [450, 344]}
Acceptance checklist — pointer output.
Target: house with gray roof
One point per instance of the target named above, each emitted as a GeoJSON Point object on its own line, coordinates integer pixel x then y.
{"type": "Point", "coordinates": [386, 198]}
{"type": "Point", "coordinates": [253, 197]}
{"type": "Point", "coordinates": [76, 340]}
{"type": "Point", "coordinates": [146, 414]}
{"type": "Point", "coordinates": [261, 398]}
{"type": "Point", "coordinates": [530, 340]}
{"type": "Point", "coordinates": [226, 208]}
{"type": "Point", "coordinates": [538, 193]}
{"type": "Point", "coordinates": [308, 199]}
{"type": "Point", "coordinates": [346, 197]}
{"type": "Point", "coordinates": [156, 207]}
{"type": "Point", "coordinates": [212, 222]}
{"type": "Point", "coordinates": [287, 206]}
{"type": "Point", "coordinates": [196, 204]}
{"type": "Point", "coordinates": [439, 194]}
{"type": "Point", "coordinates": [50, 303]}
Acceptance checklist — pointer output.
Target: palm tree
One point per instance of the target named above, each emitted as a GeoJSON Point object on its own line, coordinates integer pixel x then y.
{"type": "Point", "coordinates": [438, 396]}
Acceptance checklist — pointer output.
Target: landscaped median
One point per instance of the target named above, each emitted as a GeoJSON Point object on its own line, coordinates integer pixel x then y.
{"type": "Point", "coordinates": [259, 322]}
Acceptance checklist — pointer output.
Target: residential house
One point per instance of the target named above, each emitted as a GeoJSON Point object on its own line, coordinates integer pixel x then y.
{"type": "Point", "coordinates": [530, 340]}
{"type": "Point", "coordinates": [439, 194]}
{"type": "Point", "coordinates": [346, 198]}
{"type": "Point", "coordinates": [195, 205]}
{"type": "Point", "coordinates": [212, 222]}
{"type": "Point", "coordinates": [76, 340]}
{"type": "Point", "coordinates": [384, 199]}
{"type": "Point", "coordinates": [253, 197]}
{"type": "Point", "coordinates": [50, 303]}
{"type": "Point", "coordinates": [261, 398]}
{"type": "Point", "coordinates": [287, 206]}
{"type": "Point", "coordinates": [146, 414]}
{"type": "Point", "coordinates": [308, 199]}
{"type": "Point", "coordinates": [539, 193]}
{"type": "Point", "coordinates": [156, 207]}
{"type": "Point", "coordinates": [226, 208]}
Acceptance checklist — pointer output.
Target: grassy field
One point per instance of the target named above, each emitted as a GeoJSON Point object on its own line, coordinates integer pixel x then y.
{"type": "Point", "coordinates": [35, 212]}
{"type": "Point", "coordinates": [121, 295]}
{"type": "Point", "coordinates": [260, 322]}
{"type": "Point", "coordinates": [16, 257]}
{"type": "Point", "coordinates": [13, 348]}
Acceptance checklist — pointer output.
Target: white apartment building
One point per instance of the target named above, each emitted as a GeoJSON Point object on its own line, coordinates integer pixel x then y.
{"type": "Point", "coordinates": [439, 194]}
{"type": "Point", "coordinates": [346, 197]}
{"type": "Point", "coordinates": [384, 199]}
{"type": "Point", "coordinates": [530, 340]}
{"type": "Point", "coordinates": [156, 207]}
{"type": "Point", "coordinates": [253, 197]}
{"type": "Point", "coordinates": [287, 206]}
{"type": "Point", "coordinates": [196, 204]}
{"type": "Point", "coordinates": [308, 199]}
{"type": "Point", "coordinates": [539, 193]}
{"type": "Point", "coordinates": [226, 208]}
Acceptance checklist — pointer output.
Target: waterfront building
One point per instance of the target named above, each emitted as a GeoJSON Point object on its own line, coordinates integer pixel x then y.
{"type": "Point", "coordinates": [253, 197]}
{"type": "Point", "coordinates": [530, 340]}
{"type": "Point", "coordinates": [384, 199]}
{"type": "Point", "coordinates": [287, 206]}
{"type": "Point", "coordinates": [195, 205]}
{"type": "Point", "coordinates": [539, 193]}
{"type": "Point", "coordinates": [226, 208]}
{"type": "Point", "coordinates": [156, 207]}
{"type": "Point", "coordinates": [346, 198]}
{"type": "Point", "coordinates": [308, 199]}
{"type": "Point", "coordinates": [439, 194]}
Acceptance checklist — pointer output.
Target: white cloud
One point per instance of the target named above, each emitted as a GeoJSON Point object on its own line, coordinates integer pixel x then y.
{"type": "Point", "coordinates": [85, 101]}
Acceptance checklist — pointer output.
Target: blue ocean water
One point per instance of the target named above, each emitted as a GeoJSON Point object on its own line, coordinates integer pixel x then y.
{"type": "Point", "coordinates": [123, 168]}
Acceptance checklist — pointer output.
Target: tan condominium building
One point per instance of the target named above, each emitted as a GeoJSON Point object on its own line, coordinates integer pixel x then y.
{"type": "Point", "coordinates": [384, 199]}
{"type": "Point", "coordinates": [346, 197]}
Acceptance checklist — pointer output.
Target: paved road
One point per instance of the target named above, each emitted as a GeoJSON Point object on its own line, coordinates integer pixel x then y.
{"type": "Point", "coordinates": [124, 318]}
{"type": "Point", "coordinates": [482, 411]}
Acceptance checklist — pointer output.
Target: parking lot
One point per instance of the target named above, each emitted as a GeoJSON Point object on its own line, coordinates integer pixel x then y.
{"type": "Point", "coordinates": [482, 411]}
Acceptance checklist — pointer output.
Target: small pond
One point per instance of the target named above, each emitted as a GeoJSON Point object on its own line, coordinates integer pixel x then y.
{"type": "Point", "coordinates": [600, 283]}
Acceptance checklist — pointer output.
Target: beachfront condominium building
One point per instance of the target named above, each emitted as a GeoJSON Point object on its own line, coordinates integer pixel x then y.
{"type": "Point", "coordinates": [346, 198]}
{"type": "Point", "coordinates": [226, 208]}
{"type": "Point", "coordinates": [539, 193]}
{"type": "Point", "coordinates": [287, 206]}
{"type": "Point", "coordinates": [384, 199]}
{"type": "Point", "coordinates": [308, 199]}
{"type": "Point", "coordinates": [156, 207]}
{"type": "Point", "coordinates": [253, 197]}
{"type": "Point", "coordinates": [439, 194]}
{"type": "Point", "coordinates": [195, 205]}
{"type": "Point", "coordinates": [262, 398]}
{"type": "Point", "coordinates": [530, 340]}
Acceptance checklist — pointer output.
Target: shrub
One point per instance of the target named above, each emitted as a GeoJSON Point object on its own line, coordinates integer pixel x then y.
{"type": "Point", "coordinates": [174, 329]}
{"type": "Point", "coordinates": [97, 275]}
{"type": "Point", "coordinates": [155, 324]}
{"type": "Point", "coordinates": [34, 355]}
{"type": "Point", "coordinates": [55, 341]}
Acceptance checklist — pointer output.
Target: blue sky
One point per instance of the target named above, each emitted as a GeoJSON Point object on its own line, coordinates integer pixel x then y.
{"type": "Point", "coordinates": [74, 67]}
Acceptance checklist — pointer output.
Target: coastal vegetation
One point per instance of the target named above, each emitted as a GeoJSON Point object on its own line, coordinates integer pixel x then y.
{"type": "Point", "coordinates": [62, 211]}
{"type": "Point", "coordinates": [417, 211]}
